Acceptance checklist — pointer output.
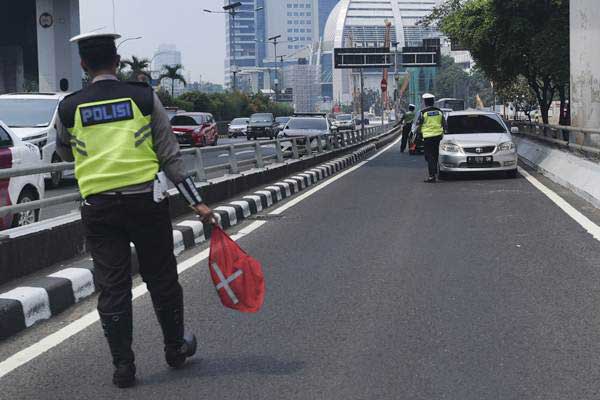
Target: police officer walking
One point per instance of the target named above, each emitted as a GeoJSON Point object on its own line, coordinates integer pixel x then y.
{"type": "Point", "coordinates": [119, 136]}
{"type": "Point", "coordinates": [407, 119]}
{"type": "Point", "coordinates": [431, 125]}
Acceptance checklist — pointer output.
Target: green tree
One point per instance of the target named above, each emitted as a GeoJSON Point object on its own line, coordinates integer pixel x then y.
{"type": "Point", "coordinates": [172, 73]}
{"type": "Point", "coordinates": [452, 81]}
{"type": "Point", "coordinates": [521, 96]}
{"type": "Point", "coordinates": [137, 66]}
{"type": "Point", "coordinates": [512, 38]}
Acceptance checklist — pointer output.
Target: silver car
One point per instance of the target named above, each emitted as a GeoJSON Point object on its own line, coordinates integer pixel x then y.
{"type": "Point", "coordinates": [477, 141]}
{"type": "Point", "coordinates": [238, 127]}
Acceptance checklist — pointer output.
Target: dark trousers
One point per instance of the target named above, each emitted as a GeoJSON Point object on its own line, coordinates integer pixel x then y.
{"type": "Point", "coordinates": [432, 154]}
{"type": "Point", "coordinates": [405, 134]}
{"type": "Point", "coordinates": [111, 223]}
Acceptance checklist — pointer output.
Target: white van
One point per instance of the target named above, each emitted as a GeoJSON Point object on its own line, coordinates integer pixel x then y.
{"type": "Point", "coordinates": [33, 116]}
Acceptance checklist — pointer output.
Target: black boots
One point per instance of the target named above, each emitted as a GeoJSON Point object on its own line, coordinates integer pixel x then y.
{"type": "Point", "coordinates": [118, 331]}
{"type": "Point", "coordinates": [178, 346]}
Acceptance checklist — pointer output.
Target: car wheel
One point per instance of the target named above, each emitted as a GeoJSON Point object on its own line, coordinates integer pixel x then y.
{"type": "Point", "coordinates": [26, 217]}
{"type": "Point", "coordinates": [214, 143]}
{"type": "Point", "coordinates": [512, 174]}
{"type": "Point", "coordinates": [55, 177]}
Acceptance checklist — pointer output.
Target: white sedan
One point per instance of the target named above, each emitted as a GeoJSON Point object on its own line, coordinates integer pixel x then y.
{"type": "Point", "coordinates": [15, 153]}
{"type": "Point", "coordinates": [477, 141]}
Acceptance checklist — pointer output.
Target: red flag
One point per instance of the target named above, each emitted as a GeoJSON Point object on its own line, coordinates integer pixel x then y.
{"type": "Point", "coordinates": [238, 277]}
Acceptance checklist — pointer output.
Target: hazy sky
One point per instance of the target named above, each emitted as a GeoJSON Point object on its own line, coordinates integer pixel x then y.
{"type": "Point", "coordinates": [199, 36]}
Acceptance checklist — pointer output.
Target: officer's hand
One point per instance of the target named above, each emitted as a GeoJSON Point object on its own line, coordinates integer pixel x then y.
{"type": "Point", "coordinates": [205, 213]}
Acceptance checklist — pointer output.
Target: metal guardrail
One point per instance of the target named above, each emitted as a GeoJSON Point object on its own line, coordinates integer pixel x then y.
{"type": "Point", "coordinates": [285, 148]}
{"type": "Point", "coordinates": [577, 139]}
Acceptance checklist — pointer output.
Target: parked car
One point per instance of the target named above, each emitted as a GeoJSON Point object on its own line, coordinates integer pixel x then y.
{"type": "Point", "coordinates": [344, 122]}
{"type": "Point", "coordinates": [477, 141]}
{"type": "Point", "coordinates": [16, 153]}
{"type": "Point", "coordinates": [238, 127]}
{"type": "Point", "coordinates": [33, 117]}
{"type": "Point", "coordinates": [195, 129]}
{"type": "Point", "coordinates": [261, 125]}
{"type": "Point", "coordinates": [307, 126]}
{"type": "Point", "coordinates": [281, 122]}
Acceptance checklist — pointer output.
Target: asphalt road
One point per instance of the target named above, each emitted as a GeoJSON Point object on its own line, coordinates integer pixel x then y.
{"type": "Point", "coordinates": [378, 287]}
{"type": "Point", "coordinates": [69, 185]}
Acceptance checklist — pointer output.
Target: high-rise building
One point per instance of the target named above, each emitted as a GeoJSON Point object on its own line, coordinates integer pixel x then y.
{"type": "Point", "coordinates": [244, 40]}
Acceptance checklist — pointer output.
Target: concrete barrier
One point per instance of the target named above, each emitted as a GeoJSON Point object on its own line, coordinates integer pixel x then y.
{"type": "Point", "coordinates": [564, 167]}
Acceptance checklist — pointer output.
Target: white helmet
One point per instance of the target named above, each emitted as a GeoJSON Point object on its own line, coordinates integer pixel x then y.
{"type": "Point", "coordinates": [428, 96]}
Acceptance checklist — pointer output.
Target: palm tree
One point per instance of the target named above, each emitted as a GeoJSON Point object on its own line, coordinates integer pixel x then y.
{"type": "Point", "coordinates": [172, 73]}
{"type": "Point", "coordinates": [138, 66]}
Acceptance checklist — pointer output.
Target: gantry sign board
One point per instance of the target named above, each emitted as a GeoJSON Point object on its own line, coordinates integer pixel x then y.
{"type": "Point", "coordinates": [421, 57]}
{"type": "Point", "coordinates": [363, 57]}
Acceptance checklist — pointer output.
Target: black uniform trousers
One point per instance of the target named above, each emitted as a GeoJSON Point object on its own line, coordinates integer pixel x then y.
{"type": "Point", "coordinates": [432, 153]}
{"type": "Point", "coordinates": [405, 133]}
{"type": "Point", "coordinates": [111, 223]}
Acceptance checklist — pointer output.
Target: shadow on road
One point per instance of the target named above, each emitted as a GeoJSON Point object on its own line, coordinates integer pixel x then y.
{"type": "Point", "coordinates": [261, 365]}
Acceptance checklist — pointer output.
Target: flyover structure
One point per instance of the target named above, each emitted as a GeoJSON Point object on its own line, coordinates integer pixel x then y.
{"type": "Point", "coordinates": [35, 52]}
{"type": "Point", "coordinates": [585, 64]}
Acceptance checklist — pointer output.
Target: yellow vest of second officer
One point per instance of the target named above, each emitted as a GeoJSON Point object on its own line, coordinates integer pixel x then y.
{"type": "Point", "coordinates": [432, 124]}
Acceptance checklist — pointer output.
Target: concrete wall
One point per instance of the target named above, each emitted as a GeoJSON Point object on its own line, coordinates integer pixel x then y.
{"type": "Point", "coordinates": [58, 58]}
{"type": "Point", "coordinates": [585, 63]}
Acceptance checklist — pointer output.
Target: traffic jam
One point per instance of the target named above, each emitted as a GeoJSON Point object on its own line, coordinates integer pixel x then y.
{"type": "Point", "coordinates": [474, 140]}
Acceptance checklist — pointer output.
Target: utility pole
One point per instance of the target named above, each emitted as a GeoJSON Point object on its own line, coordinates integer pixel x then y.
{"type": "Point", "coordinates": [362, 102]}
{"type": "Point", "coordinates": [273, 40]}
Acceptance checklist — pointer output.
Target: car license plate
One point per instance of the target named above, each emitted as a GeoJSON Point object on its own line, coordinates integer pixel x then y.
{"type": "Point", "coordinates": [480, 160]}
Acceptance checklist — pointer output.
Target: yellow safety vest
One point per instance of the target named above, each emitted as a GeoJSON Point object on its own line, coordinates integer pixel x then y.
{"type": "Point", "coordinates": [432, 124]}
{"type": "Point", "coordinates": [112, 146]}
{"type": "Point", "coordinates": [409, 117]}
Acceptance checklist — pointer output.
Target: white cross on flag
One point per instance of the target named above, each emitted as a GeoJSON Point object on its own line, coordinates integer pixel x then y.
{"type": "Point", "coordinates": [238, 278]}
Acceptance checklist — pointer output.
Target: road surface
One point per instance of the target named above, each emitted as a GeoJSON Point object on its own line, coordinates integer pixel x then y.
{"type": "Point", "coordinates": [378, 287]}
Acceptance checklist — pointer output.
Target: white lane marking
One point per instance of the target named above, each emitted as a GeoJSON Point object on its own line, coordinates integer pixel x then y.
{"type": "Point", "coordinates": [82, 281]}
{"type": "Point", "coordinates": [231, 212]}
{"type": "Point", "coordinates": [237, 154]}
{"type": "Point", "coordinates": [257, 202]}
{"type": "Point", "coordinates": [245, 207]}
{"type": "Point", "coordinates": [197, 228]}
{"type": "Point", "coordinates": [323, 185]}
{"type": "Point", "coordinates": [224, 282]}
{"type": "Point", "coordinates": [53, 340]}
{"type": "Point", "coordinates": [581, 219]}
{"type": "Point", "coordinates": [35, 303]}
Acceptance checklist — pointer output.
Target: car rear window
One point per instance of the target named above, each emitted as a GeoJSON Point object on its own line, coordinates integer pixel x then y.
{"type": "Point", "coordinates": [476, 123]}
{"type": "Point", "coordinates": [307, 123]}
{"type": "Point", "coordinates": [261, 118]}
{"type": "Point", "coordinates": [187, 120]}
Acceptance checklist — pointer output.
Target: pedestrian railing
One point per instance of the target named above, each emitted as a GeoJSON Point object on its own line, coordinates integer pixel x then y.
{"type": "Point", "coordinates": [577, 139]}
{"type": "Point", "coordinates": [285, 149]}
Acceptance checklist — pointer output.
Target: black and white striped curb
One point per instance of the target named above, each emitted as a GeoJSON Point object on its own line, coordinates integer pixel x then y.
{"type": "Point", "coordinates": [44, 297]}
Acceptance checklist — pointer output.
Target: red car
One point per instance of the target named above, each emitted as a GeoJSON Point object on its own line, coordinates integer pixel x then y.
{"type": "Point", "coordinates": [195, 129]}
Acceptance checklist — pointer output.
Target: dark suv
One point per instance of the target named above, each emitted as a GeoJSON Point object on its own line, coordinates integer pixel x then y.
{"type": "Point", "coordinates": [262, 125]}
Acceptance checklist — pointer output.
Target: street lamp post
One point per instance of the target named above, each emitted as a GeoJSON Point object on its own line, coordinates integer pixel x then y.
{"type": "Point", "coordinates": [126, 40]}
{"type": "Point", "coordinates": [273, 40]}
